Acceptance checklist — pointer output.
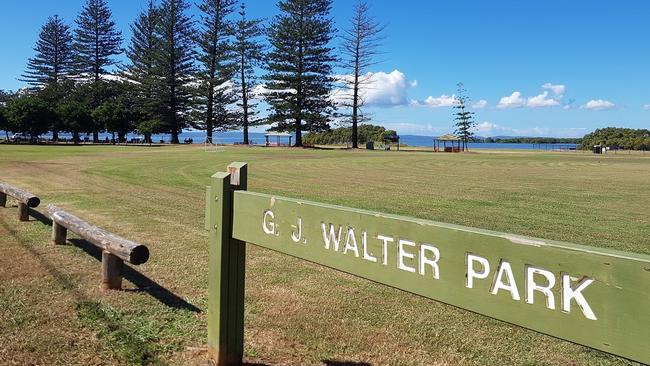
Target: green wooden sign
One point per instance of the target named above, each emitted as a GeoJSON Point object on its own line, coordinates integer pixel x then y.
{"type": "Point", "coordinates": [595, 297]}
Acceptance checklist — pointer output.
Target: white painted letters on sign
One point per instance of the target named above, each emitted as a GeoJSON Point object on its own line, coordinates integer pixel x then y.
{"type": "Point", "coordinates": [497, 277]}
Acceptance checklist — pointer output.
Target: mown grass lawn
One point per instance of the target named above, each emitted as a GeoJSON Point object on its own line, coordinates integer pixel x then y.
{"type": "Point", "coordinates": [52, 310]}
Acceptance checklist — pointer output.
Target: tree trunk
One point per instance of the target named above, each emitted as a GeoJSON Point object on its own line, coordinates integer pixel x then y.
{"type": "Point", "coordinates": [95, 137]}
{"type": "Point", "coordinates": [244, 100]}
{"type": "Point", "coordinates": [175, 136]}
{"type": "Point", "coordinates": [355, 101]}
{"type": "Point", "coordinates": [55, 135]}
{"type": "Point", "coordinates": [121, 137]}
{"type": "Point", "coordinates": [209, 119]}
{"type": "Point", "coordinates": [75, 137]}
{"type": "Point", "coordinates": [298, 133]}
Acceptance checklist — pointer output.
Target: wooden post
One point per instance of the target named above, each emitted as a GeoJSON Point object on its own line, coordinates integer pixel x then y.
{"type": "Point", "coordinates": [23, 212]}
{"type": "Point", "coordinates": [111, 271]}
{"type": "Point", "coordinates": [3, 199]}
{"type": "Point", "coordinates": [226, 263]}
{"type": "Point", "coordinates": [59, 233]}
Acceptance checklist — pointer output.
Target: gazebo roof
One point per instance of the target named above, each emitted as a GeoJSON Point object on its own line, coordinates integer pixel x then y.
{"type": "Point", "coordinates": [278, 134]}
{"type": "Point", "coordinates": [448, 137]}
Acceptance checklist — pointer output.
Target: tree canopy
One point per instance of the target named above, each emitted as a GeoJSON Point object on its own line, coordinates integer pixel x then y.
{"type": "Point", "coordinates": [625, 138]}
{"type": "Point", "coordinates": [343, 135]}
{"type": "Point", "coordinates": [54, 57]}
{"type": "Point", "coordinates": [29, 114]}
{"type": "Point", "coordinates": [96, 40]}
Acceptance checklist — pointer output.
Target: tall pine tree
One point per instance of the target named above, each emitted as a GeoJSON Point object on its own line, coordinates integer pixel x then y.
{"type": "Point", "coordinates": [175, 60]}
{"type": "Point", "coordinates": [300, 67]}
{"type": "Point", "coordinates": [52, 67]}
{"type": "Point", "coordinates": [54, 57]}
{"type": "Point", "coordinates": [250, 55]}
{"type": "Point", "coordinates": [360, 45]}
{"type": "Point", "coordinates": [142, 70]}
{"type": "Point", "coordinates": [96, 42]}
{"type": "Point", "coordinates": [465, 123]}
{"type": "Point", "coordinates": [218, 66]}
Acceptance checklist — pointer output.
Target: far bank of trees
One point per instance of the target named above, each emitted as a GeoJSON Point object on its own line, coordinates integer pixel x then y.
{"type": "Point", "coordinates": [624, 138]}
{"type": "Point", "coordinates": [531, 140]}
{"type": "Point", "coordinates": [207, 72]}
{"type": "Point", "coordinates": [343, 135]}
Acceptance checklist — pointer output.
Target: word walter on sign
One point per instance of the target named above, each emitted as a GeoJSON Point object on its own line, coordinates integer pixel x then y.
{"type": "Point", "coordinates": [595, 297]}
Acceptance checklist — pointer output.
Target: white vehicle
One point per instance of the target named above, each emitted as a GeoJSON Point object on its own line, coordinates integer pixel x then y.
{"type": "Point", "coordinates": [20, 137]}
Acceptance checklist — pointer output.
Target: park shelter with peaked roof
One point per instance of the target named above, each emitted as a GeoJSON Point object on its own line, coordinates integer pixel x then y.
{"type": "Point", "coordinates": [447, 139]}
{"type": "Point", "coordinates": [278, 136]}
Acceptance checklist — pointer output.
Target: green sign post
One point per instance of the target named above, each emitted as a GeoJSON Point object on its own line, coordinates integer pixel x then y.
{"type": "Point", "coordinates": [595, 297]}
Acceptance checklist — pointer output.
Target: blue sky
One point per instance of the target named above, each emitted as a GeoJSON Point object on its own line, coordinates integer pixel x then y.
{"type": "Point", "coordinates": [552, 68]}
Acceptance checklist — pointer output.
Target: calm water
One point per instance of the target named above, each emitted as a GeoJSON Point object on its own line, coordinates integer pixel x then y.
{"type": "Point", "coordinates": [228, 138]}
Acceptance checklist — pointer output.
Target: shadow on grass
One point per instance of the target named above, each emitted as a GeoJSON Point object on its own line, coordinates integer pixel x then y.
{"type": "Point", "coordinates": [345, 363]}
{"type": "Point", "coordinates": [38, 216]}
{"type": "Point", "coordinates": [144, 283]}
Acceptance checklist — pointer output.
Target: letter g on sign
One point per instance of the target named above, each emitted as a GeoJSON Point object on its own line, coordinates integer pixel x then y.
{"type": "Point", "coordinates": [268, 225]}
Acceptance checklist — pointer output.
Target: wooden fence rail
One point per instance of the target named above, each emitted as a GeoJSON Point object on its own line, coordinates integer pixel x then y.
{"type": "Point", "coordinates": [25, 200]}
{"type": "Point", "coordinates": [115, 249]}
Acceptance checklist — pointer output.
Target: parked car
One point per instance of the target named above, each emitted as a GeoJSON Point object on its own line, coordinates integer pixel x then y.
{"type": "Point", "coordinates": [20, 137]}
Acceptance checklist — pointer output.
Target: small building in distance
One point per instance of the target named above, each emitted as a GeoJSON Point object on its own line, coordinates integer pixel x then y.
{"type": "Point", "coordinates": [391, 139]}
{"type": "Point", "coordinates": [454, 142]}
{"type": "Point", "coordinates": [278, 137]}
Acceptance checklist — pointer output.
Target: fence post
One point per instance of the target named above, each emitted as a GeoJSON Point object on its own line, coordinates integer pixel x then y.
{"type": "Point", "coordinates": [23, 211]}
{"type": "Point", "coordinates": [226, 269]}
{"type": "Point", "coordinates": [111, 271]}
{"type": "Point", "coordinates": [59, 233]}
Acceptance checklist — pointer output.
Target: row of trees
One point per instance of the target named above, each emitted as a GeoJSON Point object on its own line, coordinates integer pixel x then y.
{"type": "Point", "coordinates": [532, 140]}
{"type": "Point", "coordinates": [202, 73]}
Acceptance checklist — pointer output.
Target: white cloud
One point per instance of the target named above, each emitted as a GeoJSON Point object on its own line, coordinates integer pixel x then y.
{"type": "Point", "coordinates": [406, 128]}
{"type": "Point", "coordinates": [557, 89]}
{"type": "Point", "coordinates": [598, 105]}
{"type": "Point", "coordinates": [441, 101]}
{"type": "Point", "coordinates": [545, 99]}
{"type": "Point", "coordinates": [380, 90]}
{"type": "Point", "coordinates": [646, 107]}
{"type": "Point", "coordinates": [480, 104]}
{"type": "Point", "coordinates": [542, 100]}
{"type": "Point", "coordinates": [513, 101]}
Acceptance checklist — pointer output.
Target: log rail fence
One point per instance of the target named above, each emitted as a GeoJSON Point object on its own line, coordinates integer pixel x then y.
{"type": "Point", "coordinates": [115, 249]}
{"type": "Point", "coordinates": [25, 200]}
